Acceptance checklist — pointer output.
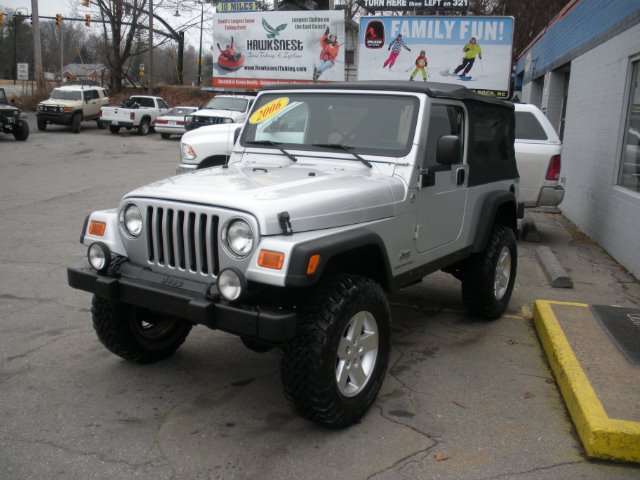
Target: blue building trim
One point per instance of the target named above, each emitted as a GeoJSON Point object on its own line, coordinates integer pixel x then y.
{"type": "Point", "coordinates": [586, 25]}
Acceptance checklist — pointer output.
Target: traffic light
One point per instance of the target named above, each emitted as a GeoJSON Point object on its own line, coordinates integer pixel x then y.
{"type": "Point", "coordinates": [58, 19]}
{"type": "Point", "coordinates": [87, 20]}
{"type": "Point", "coordinates": [85, 3]}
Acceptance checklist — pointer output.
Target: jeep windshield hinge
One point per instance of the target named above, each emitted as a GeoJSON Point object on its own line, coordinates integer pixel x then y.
{"type": "Point", "coordinates": [285, 223]}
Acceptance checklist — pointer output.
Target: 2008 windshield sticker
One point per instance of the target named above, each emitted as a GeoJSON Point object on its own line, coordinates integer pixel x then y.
{"type": "Point", "coordinates": [268, 110]}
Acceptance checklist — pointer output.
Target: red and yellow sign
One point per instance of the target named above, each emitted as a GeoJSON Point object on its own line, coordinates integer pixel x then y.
{"type": "Point", "coordinates": [268, 110]}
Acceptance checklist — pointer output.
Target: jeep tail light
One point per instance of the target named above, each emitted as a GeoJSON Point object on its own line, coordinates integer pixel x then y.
{"type": "Point", "coordinates": [97, 228]}
{"type": "Point", "coordinates": [269, 259]}
{"type": "Point", "coordinates": [553, 170]}
{"type": "Point", "coordinates": [132, 115]}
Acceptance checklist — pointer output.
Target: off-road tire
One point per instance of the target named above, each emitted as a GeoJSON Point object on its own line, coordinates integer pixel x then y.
{"type": "Point", "coordinates": [335, 314]}
{"type": "Point", "coordinates": [21, 132]}
{"type": "Point", "coordinates": [76, 120]}
{"type": "Point", "coordinates": [114, 129]}
{"type": "Point", "coordinates": [42, 124]}
{"type": "Point", "coordinates": [165, 135]}
{"type": "Point", "coordinates": [137, 334]}
{"type": "Point", "coordinates": [144, 127]}
{"type": "Point", "coordinates": [256, 345]}
{"type": "Point", "coordinates": [488, 276]}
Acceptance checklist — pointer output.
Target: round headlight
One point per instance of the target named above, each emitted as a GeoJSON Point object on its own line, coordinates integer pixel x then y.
{"type": "Point", "coordinates": [238, 237]}
{"type": "Point", "coordinates": [231, 284]}
{"type": "Point", "coordinates": [99, 256]}
{"type": "Point", "coordinates": [131, 218]}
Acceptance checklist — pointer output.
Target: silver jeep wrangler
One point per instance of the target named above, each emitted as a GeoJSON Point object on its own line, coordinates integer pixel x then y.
{"type": "Point", "coordinates": [334, 195]}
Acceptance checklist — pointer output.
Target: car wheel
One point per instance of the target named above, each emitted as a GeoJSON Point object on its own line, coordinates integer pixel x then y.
{"type": "Point", "coordinates": [75, 123]}
{"type": "Point", "coordinates": [137, 334]}
{"type": "Point", "coordinates": [100, 125]}
{"type": "Point", "coordinates": [488, 277]}
{"type": "Point", "coordinates": [165, 135]}
{"type": "Point", "coordinates": [42, 124]}
{"type": "Point", "coordinates": [143, 128]}
{"type": "Point", "coordinates": [21, 132]}
{"type": "Point", "coordinates": [334, 367]}
{"type": "Point", "coordinates": [114, 129]}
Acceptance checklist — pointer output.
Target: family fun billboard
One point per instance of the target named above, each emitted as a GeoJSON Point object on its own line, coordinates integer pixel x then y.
{"type": "Point", "coordinates": [470, 51]}
{"type": "Point", "coordinates": [255, 49]}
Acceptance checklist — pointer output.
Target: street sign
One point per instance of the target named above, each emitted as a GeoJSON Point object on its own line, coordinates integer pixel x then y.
{"type": "Point", "coordinates": [23, 71]}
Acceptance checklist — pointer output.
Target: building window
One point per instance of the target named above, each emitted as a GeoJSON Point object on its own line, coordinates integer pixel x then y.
{"type": "Point", "coordinates": [630, 168]}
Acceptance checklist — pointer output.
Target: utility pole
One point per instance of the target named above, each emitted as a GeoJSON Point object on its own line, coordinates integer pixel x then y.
{"type": "Point", "coordinates": [200, 51]}
{"type": "Point", "coordinates": [41, 85]}
{"type": "Point", "coordinates": [150, 77]}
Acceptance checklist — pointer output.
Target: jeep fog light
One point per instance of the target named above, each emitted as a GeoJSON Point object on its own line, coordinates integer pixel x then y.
{"type": "Point", "coordinates": [238, 237]}
{"type": "Point", "coordinates": [131, 220]}
{"type": "Point", "coordinates": [231, 284]}
{"type": "Point", "coordinates": [99, 257]}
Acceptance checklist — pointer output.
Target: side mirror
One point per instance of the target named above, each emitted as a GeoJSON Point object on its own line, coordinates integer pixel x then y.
{"type": "Point", "coordinates": [448, 150]}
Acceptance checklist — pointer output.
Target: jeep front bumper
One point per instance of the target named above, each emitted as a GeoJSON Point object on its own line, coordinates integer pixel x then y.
{"type": "Point", "coordinates": [185, 299]}
{"type": "Point", "coordinates": [57, 118]}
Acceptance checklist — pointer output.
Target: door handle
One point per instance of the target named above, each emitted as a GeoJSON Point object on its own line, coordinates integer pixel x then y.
{"type": "Point", "coordinates": [460, 176]}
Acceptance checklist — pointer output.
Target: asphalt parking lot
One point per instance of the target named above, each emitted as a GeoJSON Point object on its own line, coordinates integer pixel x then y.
{"type": "Point", "coordinates": [463, 399]}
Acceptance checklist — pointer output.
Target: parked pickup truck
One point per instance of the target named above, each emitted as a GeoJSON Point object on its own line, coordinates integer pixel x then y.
{"type": "Point", "coordinates": [538, 150]}
{"type": "Point", "coordinates": [221, 109]}
{"type": "Point", "coordinates": [139, 112]}
{"type": "Point", "coordinates": [207, 146]}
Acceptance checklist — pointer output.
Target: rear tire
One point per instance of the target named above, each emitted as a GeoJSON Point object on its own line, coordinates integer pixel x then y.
{"type": "Point", "coordinates": [165, 135]}
{"type": "Point", "coordinates": [114, 129]}
{"type": "Point", "coordinates": [100, 125]}
{"type": "Point", "coordinates": [334, 367]}
{"type": "Point", "coordinates": [76, 120]}
{"type": "Point", "coordinates": [488, 276]}
{"type": "Point", "coordinates": [143, 128]}
{"type": "Point", "coordinates": [135, 333]}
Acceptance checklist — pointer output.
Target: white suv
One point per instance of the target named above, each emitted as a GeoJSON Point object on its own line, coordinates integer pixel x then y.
{"type": "Point", "coordinates": [70, 105]}
{"type": "Point", "coordinates": [538, 150]}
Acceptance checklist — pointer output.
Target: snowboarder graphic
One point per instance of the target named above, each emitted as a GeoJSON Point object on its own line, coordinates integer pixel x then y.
{"type": "Point", "coordinates": [395, 48]}
{"type": "Point", "coordinates": [230, 58]}
{"type": "Point", "coordinates": [471, 50]}
{"type": "Point", "coordinates": [328, 54]}
{"type": "Point", "coordinates": [421, 65]}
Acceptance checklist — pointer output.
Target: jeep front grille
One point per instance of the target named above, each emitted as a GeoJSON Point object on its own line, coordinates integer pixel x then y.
{"type": "Point", "coordinates": [182, 239]}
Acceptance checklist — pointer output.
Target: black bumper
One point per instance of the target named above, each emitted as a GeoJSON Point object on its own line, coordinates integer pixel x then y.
{"type": "Point", "coordinates": [188, 301]}
{"type": "Point", "coordinates": [56, 118]}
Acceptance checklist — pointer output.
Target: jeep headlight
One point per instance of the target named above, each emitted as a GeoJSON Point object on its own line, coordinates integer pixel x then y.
{"type": "Point", "coordinates": [237, 237]}
{"type": "Point", "coordinates": [187, 151]}
{"type": "Point", "coordinates": [131, 220]}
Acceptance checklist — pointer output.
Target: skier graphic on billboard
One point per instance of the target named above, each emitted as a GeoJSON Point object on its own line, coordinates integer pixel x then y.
{"type": "Point", "coordinates": [395, 46]}
{"type": "Point", "coordinates": [421, 66]}
{"type": "Point", "coordinates": [328, 53]}
{"type": "Point", "coordinates": [471, 50]}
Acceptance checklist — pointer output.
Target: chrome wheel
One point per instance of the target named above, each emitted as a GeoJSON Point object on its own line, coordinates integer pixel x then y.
{"type": "Point", "coordinates": [503, 273]}
{"type": "Point", "coordinates": [357, 354]}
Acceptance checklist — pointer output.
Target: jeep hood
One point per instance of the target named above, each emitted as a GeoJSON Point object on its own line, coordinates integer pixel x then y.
{"type": "Point", "coordinates": [315, 196]}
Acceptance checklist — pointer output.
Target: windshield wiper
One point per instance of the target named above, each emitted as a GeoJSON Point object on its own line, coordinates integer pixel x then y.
{"type": "Point", "coordinates": [346, 148]}
{"type": "Point", "coordinates": [274, 144]}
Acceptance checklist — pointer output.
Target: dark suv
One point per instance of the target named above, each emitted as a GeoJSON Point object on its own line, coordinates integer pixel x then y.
{"type": "Point", "coordinates": [12, 120]}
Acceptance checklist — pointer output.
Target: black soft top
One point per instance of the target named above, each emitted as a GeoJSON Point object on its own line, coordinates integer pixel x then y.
{"type": "Point", "coordinates": [432, 89]}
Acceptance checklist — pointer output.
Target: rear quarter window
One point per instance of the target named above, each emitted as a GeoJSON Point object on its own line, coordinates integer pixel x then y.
{"type": "Point", "coordinates": [528, 127]}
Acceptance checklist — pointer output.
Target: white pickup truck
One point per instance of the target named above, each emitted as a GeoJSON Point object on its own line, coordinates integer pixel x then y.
{"type": "Point", "coordinates": [221, 109]}
{"type": "Point", "coordinates": [139, 111]}
{"type": "Point", "coordinates": [207, 146]}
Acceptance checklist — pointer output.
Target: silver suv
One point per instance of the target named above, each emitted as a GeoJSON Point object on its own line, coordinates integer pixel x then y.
{"type": "Point", "coordinates": [333, 196]}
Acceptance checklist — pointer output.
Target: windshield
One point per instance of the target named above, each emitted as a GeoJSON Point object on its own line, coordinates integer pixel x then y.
{"type": "Point", "coordinates": [180, 111]}
{"type": "Point", "coordinates": [226, 103]}
{"type": "Point", "coordinates": [58, 94]}
{"type": "Point", "coordinates": [364, 123]}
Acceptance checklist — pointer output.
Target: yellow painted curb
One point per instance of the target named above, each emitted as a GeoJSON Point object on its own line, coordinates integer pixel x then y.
{"type": "Point", "coordinates": [602, 437]}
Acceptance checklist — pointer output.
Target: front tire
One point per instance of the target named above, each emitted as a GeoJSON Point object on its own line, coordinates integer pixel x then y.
{"type": "Point", "coordinates": [21, 132]}
{"type": "Point", "coordinates": [488, 276]}
{"type": "Point", "coordinates": [334, 367]}
{"type": "Point", "coordinates": [75, 123]}
{"type": "Point", "coordinates": [42, 124]}
{"type": "Point", "coordinates": [135, 333]}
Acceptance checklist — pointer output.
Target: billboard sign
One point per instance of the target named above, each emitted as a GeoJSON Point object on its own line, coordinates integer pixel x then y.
{"type": "Point", "coordinates": [255, 49]}
{"type": "Point", "coordinates": [403, 5]}
{"type": "Point", "coordinates": [470, 51]}
{"type": "Point", "coordinates": [229, 6]}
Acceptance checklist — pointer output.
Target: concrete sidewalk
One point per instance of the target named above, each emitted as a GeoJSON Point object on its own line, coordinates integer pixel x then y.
{"type": "Point", "coordinates": [598, 379]}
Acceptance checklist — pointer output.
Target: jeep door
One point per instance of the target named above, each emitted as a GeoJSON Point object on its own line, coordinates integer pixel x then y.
{"type": "Point", "coordinates": [442, 193]}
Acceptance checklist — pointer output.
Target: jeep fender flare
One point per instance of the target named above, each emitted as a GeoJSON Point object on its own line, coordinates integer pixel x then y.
{"type": "Point", "coordinates": [342, 250]}
{"type": "Point", "coordinates": [494, 207]}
